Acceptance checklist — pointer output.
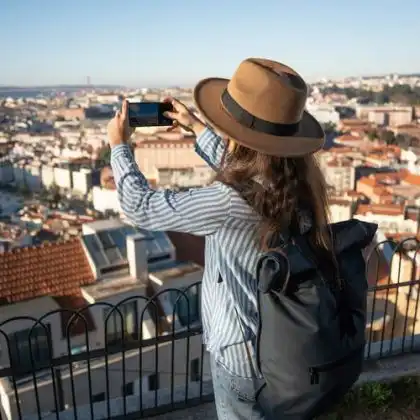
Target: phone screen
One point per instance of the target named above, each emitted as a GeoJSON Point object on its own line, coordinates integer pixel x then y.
{"type": "Point", "coordinates": [148, 114]}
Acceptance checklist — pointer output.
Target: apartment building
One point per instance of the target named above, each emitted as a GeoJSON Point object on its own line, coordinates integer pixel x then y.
{"type": "Point", "coordinates": [412, 130]}
{"type": "Point", "coordinates": [385, 115]}
{"type": "Point", "coordinates": [391, 187]}
{"type": "Point", "coordinates": [389, 217]}
{"type": "Point", "coordinates": [351, 140]}
{"type": "Point", "coordinates": [104, 199]}
{"type": "Point", "coordinates": [70, 113]}
{"type": "Point", "coordinates": [324, 113]}
{"type": "Point", "coordinates": [377, 193]}
{"type": "Point", "coordinates": [340, 210]}
{"type": "Point", "coordinates": [410, 159]}
{"type": "Point", "coordinates": [339, 171]}
{"type": "Point", "coordinates": [187, 177]}
{"type": "Point", "coordinates": [354, 125]}
{"type": "Point", "coordinates": [172, 161]}
{"type": "Point", "coordinates": [35, 176]}
{"type": "Point", "coordinates": [111, 264]}
{"type": "Point", "coordinates": [383, 156]}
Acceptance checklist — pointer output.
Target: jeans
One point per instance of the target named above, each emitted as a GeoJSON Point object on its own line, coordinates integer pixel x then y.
{"type": "Point", "coordinates": [235, 396]}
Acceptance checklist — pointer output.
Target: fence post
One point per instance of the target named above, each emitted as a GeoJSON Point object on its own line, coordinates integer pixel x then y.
{"type": "Point", "coordinates": [60, 391]}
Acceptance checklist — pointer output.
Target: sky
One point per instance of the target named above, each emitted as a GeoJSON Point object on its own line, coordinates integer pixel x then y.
{"type": "Point", "coordinates": [146, 43]}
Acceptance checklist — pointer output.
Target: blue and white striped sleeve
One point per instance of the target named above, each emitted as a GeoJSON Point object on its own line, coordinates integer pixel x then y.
{"type": "Point", "coordinates": [201, 211]}
{"type": "Point", "coordinates": [211, 148]}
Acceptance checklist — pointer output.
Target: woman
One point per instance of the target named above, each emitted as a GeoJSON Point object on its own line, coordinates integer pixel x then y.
{"type": "Point", "coordinates": [267, 181]}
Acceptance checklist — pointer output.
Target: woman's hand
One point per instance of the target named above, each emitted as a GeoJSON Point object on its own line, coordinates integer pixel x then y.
{"type": "Point", "coordinates": [184, 118]}
{"type": "Point", "coordinates": [119, 130]}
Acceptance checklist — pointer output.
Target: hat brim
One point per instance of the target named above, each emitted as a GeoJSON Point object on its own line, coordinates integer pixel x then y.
{"type": "Point", "coordinates": [308, 139]}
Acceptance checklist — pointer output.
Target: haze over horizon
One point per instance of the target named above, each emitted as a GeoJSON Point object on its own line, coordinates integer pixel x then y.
{"type": "Point", "coordinates": [170, 85]}
{"type": "Point", "coordinates": [159, 43]}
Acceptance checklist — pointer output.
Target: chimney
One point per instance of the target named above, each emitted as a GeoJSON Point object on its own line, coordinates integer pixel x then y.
{"type": "Point", "coordinates": [137, 257]}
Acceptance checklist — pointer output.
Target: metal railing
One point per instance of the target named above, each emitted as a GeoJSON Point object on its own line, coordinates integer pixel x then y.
{"type": "Point", "coordinates": [159, 364]}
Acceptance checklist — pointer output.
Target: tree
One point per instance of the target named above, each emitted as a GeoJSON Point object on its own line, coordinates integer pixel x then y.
{"type": "Point", "coordinates": [54, 194]}
{"type": "Point", "coordinates": [25, 191]}
{"type": "Point", "coordinates": [329, 127]}
{"type": "Point", "coordinates": [388, 137]}
{"type": "Point", "coordinates": [414, 141]}
{"type": "Point", "coordinates": [372, 135]}
{"type": "Point", "coordinates": [43, 193]}
{"type": "Point", "coordinates": [403, 94]}
{"type": "Point", "coordinates": [381, 98]}
{"type": "Point", "coordinates": [402, 140]}
{"type": "Point", "coordinates": [104, 155]}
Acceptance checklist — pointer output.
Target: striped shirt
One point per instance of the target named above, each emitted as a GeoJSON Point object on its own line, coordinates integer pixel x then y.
{"type": "Point", "coordinates": [231, 254]}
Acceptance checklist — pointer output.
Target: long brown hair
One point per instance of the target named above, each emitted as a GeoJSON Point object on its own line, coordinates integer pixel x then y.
{"type": "Point", "coordinates": [285, 187]}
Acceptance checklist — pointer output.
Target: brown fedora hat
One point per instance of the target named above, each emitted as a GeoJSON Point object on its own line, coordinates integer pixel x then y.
{"type": "Point", "coordinates": [262, 107]}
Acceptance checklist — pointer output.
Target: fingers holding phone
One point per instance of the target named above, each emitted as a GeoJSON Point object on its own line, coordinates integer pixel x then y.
{"type": "Point", "coordinates": [182, 116]}
{"type": "Point", "coordinates": [119, 130]}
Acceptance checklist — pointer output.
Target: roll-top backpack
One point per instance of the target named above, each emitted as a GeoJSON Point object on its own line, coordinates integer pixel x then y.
{"type": "Point", "coordinates": [310, 346]}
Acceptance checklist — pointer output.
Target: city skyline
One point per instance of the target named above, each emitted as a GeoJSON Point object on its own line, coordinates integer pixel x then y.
{"type": "Point", "coordinates": [171, 85]}
{"type": "Point", "coordinates": [66, 43]}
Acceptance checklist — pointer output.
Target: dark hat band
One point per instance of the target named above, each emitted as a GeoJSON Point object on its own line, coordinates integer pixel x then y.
{"type": "Point", "coordinates": [243, 117]}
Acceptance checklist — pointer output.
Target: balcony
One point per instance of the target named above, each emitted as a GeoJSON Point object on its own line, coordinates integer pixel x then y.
{"type": "Point", "coordinates": [133, 375]}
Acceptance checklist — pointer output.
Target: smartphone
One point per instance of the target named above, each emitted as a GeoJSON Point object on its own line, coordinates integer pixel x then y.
{"type": "Point", "coordinates": [148, 114]}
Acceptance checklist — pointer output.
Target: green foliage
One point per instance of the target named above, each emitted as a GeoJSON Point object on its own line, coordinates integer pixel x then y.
{"type": "Point", "coordinates": [388, 137]}
{"type": "Point", "coordinates": [329, 127]}
{"type": "Point", "coordinates": [104, 156]}
{"type": "Point", "coordinates": [374, 396]}
{"type": "Point", "coordinates": [380, 400]}
{"type": "Point", "coordinates": [404, 94]}
{"type": "Point", "coordinates": [372, 135]}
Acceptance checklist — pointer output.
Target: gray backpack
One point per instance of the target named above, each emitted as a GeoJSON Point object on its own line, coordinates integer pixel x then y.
{"type": "Point", "coordinates": [310, 346]}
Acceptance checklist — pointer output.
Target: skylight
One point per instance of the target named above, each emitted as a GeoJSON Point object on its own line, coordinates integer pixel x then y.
{"type": "Point", "coordinates": [108, 248]}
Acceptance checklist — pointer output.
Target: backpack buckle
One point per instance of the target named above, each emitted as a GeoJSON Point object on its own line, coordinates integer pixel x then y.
{"type": "Point", "coordinates": [273, 272]}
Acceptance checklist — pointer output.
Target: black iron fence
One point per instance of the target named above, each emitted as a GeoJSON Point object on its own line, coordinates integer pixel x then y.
{"type": "Point", "coordinates": [137, 359]}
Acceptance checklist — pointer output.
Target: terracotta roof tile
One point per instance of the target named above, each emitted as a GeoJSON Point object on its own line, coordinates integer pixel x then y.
{"type": "Point", "coordinates": [384, 209]}
{"type": "Point", "coordinates": [412, 179]}
{"type": "Point", "coordinates": [348, 137]}
{"type": "Point", "coordinates": [352, 193]}
{"type": "Point", "coordinates": [381, 191]}
{"type": "Point", "coordinates": [404, 126]}
{"type": "Point", "coordinates": [52, 269]}
{"type": "Point", "coordinates": [339, 202]}
{"type": "Point", "coordinates": [159, 143]}
{"type": "Point", "coordinates": [367, 180]}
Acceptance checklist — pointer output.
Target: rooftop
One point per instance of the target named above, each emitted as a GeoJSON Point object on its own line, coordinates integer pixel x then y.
{"type": "Point", "coordinates": [175, 271]}
{"type": "Point", "coordinates": [384, 209]}
{"type": "Point", "coordinates": [51, 269]}
{"type": "Point", "coordinates": [116, 283]}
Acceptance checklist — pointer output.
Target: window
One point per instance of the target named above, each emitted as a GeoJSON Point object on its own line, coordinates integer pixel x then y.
{"type": "Point", "coordinates": [153, 381]}
{"type": "Point", "coordinates": [21, 349]}
{"type": "Point", "coordinates": [128, 389]}
{"type": "Point", "coordinates": [182, 305]}
{"type": "Point", "coordinates": [98, 397]}
{"type": "Point", "coordinates": [129, 320]}
{"type": "Point", "coordinates": [195, 370]}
